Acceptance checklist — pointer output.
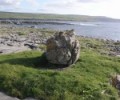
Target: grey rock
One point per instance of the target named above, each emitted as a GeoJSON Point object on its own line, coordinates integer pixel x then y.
{"type": "Point", "coordinates": [29, 99]}
{"type": "Point", "coordinates": [31, 46]}
{"type": "Point", "coordinates": [112, 54]}
{"type": "Point", "coordinates": [115, 81]}
{"type": "Point", "coordinates": [9, 44]}
{"type": "Point", "coordinates": [5, 97]}
{"type": "Point", "coordinates": [20, 39]}
{"type": "Point", "coordinates": [63, 48]}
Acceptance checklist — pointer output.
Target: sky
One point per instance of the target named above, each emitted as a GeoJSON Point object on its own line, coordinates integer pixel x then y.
{"type": "Point", "coordinates": [108, 8]}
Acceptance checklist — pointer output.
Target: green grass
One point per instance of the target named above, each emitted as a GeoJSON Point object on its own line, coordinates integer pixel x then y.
{"type": "Point", "coordinates": [28, 74]}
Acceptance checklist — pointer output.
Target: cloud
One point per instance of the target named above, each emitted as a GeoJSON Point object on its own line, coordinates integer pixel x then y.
{"type": "Point", "coordinates": [107, 8]}
{"type": "Point", "coordinates": [88, 1]}
{"type": "Point", "coordinates": [92, 1]}
{"type": "Point", "coordinates": [18, 2]}
{"type": "Point", "coordinates": [32, 2]}
{"type": "Point", "coordinates": [19, 5]}
{"type": "Point", "coordinates": [9, 2]}
{"type": "Point", "coordinates": [60, 5]}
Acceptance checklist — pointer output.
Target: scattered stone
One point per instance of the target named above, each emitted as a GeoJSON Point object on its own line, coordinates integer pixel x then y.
{"type": "Point", "coordinates": [1, 51]}
{"type": "Point", "coordinates": [112, 54]}
{"type": "Point", "coordinates": [31, 46]}
{"type": "Point", "coordinates": [118, 55]}
{"type": "Point", "coordinates": [13, 42]}
{"type": "Point", "coordinates": [29, 99]}
{"type": "Point", "coordinates": [115, 81]}
{"type": "Point", "coordinates": [63, 48]}
{"type": "Point", "coordinates": [9, 44]}
{"type": "Point", "coordinates": [5, 97]}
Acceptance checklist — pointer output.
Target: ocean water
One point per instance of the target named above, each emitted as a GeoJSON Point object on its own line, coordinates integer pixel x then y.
{"type": "Point", "coordinates": [103, 30]}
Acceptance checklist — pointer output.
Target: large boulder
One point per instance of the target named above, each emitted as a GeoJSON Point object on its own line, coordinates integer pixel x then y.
{"type": "Point", "coordinates": [63, 48]}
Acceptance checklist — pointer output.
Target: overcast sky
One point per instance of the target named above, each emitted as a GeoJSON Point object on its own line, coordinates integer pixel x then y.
{"type": "Point", "coordinates": [109, 8]}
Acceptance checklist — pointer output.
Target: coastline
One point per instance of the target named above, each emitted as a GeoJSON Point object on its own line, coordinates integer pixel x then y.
{"type": "Point", "coordinates": [17, 39]}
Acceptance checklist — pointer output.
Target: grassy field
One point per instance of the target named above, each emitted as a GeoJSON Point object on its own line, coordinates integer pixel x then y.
{"type": "Point", "coordinates": [53, 16]}
{"type": "Point", "coordinates": [28, 74]}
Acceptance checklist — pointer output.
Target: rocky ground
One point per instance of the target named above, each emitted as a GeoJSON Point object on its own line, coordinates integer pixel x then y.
{"type": "Point", "coordinates": [14, 39]}
{"type": "Point", "coordinates": [104, 47]}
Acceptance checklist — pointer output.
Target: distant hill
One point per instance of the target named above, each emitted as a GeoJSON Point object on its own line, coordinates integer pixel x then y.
{"type": "Point", "coordinates": [12, 15]}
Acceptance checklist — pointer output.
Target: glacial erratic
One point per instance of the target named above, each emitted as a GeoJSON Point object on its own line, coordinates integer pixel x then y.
{"type": "Point", "coordinates": [63, 48]}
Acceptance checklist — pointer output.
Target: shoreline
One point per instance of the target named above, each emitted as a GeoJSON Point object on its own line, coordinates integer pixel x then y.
{"type": "Point", "coordinates": [35, 27]}
{"type": "Point", "coordinates": [32, 21]}
{"type": "Point", "coordinates": [18, 39]}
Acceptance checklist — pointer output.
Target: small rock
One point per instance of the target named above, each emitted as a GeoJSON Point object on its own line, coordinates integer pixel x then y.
{"type": "Point", "coordinates": [115, 81]}
{"type": "Point", "coordinates": [112, 54]}
{"type": "Point", "coordinates": [5, 97]}
{"type": "Point", "coordinates": [31, 46]}
{"type": "Point", "coordinates": [118, 55]}
{"type": "Point", "coordinates": [29, 99]}
{"type": "Point", "coordinates": [9, 44]}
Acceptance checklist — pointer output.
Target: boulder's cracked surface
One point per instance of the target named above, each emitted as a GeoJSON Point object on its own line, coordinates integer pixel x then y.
{"type": "Point", "coordinates": [63, 48]}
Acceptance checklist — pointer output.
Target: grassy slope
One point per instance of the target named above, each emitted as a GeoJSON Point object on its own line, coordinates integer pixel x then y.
{"type": "Point", "coordinates": [28, 74]}
{"type": "Point", "coordinates": [54, 16]}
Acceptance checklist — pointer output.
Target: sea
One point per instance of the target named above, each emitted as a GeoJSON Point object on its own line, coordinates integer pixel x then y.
{"type": "Point", "coordinates": [102, 30]}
